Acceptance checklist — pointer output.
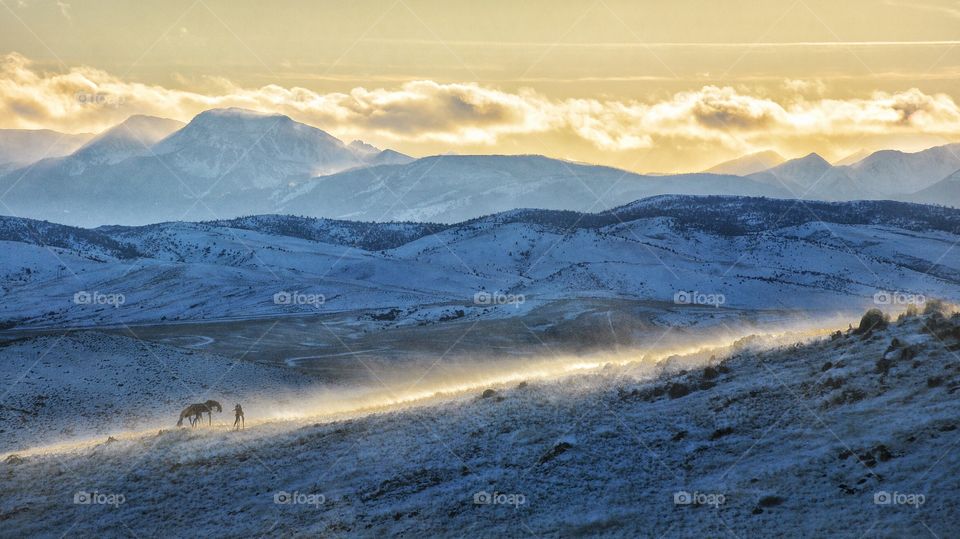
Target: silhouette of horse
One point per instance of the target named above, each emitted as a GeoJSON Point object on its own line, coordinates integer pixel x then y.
{"type": "Point", "coordinates": [195, 412]}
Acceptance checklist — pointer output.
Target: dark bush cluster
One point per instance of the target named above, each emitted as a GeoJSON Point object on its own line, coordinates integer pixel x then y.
{"type": "Point", "coordinates": [872, 319]}
{"type": "Point", "coordinates": [362, 235]}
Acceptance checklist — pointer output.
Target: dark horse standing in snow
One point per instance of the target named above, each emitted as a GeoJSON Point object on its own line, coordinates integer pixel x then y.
{"type": "Point", "coordinates": [195, 412]}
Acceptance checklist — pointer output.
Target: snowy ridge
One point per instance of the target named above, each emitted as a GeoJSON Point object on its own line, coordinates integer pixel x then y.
{"type": "Point", "coordinates": [368, 236]}
{"type": "Point", "coordinates": [756, 253]}
{"type": "Point", "coordinates": [79, 240]}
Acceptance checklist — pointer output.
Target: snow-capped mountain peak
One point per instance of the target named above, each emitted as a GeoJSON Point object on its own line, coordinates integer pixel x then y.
{"type": "Point", "coordinates": [748, 164]}
{"type": "Point", "coordinates": [253, 149]}
{"type": "Point", "coordinates": [804, 174]}
{"type": "Point", "coordinates": [131, 137]}
{"type": "Point", "coordinates": [896, 172]}
{"type": "Point", "coordinates": [362, 148]}
{"type": "Point", "coordinates": [810, 160]}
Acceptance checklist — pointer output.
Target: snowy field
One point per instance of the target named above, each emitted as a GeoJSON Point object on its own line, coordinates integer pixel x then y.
{"type": "Point", "coordinates": [843, 436]}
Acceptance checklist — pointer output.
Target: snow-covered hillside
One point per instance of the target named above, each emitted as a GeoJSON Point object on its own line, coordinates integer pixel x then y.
{"type": "Point", "coordinates": [109, 384]}
{"type": "Point", "coordinates": [839, 437]}
{"type": "Point", "coordinates": [754, 253]}
{"type": "Point", "coordinates": [945, 191]}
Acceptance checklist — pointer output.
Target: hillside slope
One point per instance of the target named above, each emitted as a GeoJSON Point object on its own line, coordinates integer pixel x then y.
{"type": "Point", "coordinates": [755, 253]}
{"type": "Point", "coordinates": [835, 437]}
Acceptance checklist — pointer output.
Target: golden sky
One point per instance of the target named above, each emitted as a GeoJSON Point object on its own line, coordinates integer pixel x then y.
{"type": "Point", "coordinates": [644, 85]}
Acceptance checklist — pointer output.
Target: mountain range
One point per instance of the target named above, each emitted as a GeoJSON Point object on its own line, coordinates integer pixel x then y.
{"type": "Point", "coordinates": [148, 169]}
{"type": "Point", "coordinates": [756, 253]}
{"type": "Point", "coordinates": [227, 163]}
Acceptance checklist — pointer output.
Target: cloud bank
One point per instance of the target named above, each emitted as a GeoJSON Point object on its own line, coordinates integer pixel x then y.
{"type": "Point", "coordinates": [85, 99]}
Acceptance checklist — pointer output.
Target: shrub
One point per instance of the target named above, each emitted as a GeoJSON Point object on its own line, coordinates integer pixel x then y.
{"type": "Point", "coordinates": [678, 390]}
{"type": "Point", "coordinates": [872, 319]}
{"type": "Point", "coordinates": [911, 312]}
{"type": "Point", "coordinates": [934, 306]}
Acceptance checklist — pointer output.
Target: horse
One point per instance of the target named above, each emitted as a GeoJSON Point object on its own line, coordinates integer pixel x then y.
{"type": "Point", "coordinates": [195, 412]}
{"type": "Point", "coordinates": [209, 406]}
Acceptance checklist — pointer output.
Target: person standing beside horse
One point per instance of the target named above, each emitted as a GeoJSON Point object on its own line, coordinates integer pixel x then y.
{"type": "Point", "coordinates": [238, 423]}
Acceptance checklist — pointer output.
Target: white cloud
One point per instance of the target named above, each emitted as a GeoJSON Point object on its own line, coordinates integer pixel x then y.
{"type": "Point", "coordinates": [462, 114]}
